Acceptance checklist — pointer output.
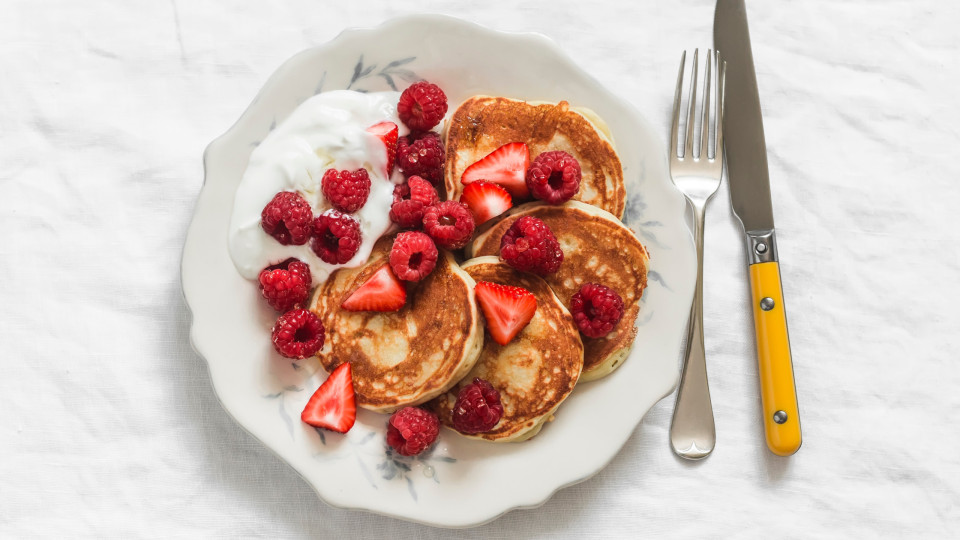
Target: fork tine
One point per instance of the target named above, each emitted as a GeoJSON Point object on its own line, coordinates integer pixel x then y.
{"type": "Point", "coordinates": [707, 109]}
{"type": "Point", "coordinates": [676, 109]}
{"type": "Point", "coordinates": [721, 91]}
{"type": "Point", "coordinates": [691, 108]}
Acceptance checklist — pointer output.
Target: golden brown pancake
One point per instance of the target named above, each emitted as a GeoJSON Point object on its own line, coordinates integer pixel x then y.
{"type": "Point", "coordinates": [483, 123]}
{"type": "Point", "coordinates": [408, 356]}
{"type": "Point", "coordinates": [535, 372]}
{"type": "Point", "coordinates": [597, 248]}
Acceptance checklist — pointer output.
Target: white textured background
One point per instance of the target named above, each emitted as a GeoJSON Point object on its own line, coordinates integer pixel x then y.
{"type": "Point", "coordinates": [109, 425]}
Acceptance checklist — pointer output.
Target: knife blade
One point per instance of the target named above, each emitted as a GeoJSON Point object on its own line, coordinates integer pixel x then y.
{"type": "Point", "coordinates": [749, 180]}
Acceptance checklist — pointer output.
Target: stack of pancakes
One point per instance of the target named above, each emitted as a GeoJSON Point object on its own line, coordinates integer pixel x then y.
{"type": "Point", "coordinates": [435, 344]}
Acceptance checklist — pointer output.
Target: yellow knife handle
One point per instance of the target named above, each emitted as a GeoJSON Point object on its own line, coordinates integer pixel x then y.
{"type": "Point", "coordinates": [781, 415]}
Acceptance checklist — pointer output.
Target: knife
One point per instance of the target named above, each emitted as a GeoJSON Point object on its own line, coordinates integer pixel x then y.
{"type": "Point", "coordinates": [746, 157]}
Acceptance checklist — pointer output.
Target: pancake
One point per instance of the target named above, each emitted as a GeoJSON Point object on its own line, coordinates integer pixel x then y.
{"type": "Point", "coordinates": [597, 248]}
{"type": "Point", "coordinates": [409, 356]}
{"type": "Point", "coordinates": [535, 372]}
{"type": "Point", "coordinates": [483, 123]}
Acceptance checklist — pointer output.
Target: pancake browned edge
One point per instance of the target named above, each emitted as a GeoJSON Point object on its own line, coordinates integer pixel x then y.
{"type": "Point", "coordinates": [483, 123]}
{"type": "Point", "coordinates": [408, 356]}
{"type": "Point", "coordinates": [597, 248]}
{"type": "Point", "coordinates": [535, 372]}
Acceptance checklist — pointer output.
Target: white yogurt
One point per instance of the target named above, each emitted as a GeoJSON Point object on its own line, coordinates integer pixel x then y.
{"type": "Point", "coordinates": [327, 131]}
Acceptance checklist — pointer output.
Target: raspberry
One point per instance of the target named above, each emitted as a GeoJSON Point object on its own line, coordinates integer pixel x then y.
{"type": "Point", "coordinates": [422, 105]}
{"type": "Point", "coordinates": [421, 155]}
{"type": "Point", "coordinates": [478, 407]}
{"type": "Point", "coordinates": [286, 284]}
{"type": "Point", "coordinates": [298, 334]}
{"type": "Point", "coordinates": [287, 218]}
{"type": "Point", "coordinates": [596, 309]}
{"type": "Point", "coordinates": [347, 191]}
{"type": "Point", "coordinates": [403, 145]}
{"type": "Point", "coordinates": [413, 256]}
{"type": "Point", "coordinates": [336, 237]}
{"type": "Point", "coordinates": [410, 200]}
{"type": "Point", "coordinates": [554, 177]}
{"type": "Point", "coordinates": [530, 246]}
{"type": "Point", "coordinates": [412, 430]}
{"type": "Point", "coordinates": [449, 223]}
{"type": "Point", "coordinates": [406, 213]}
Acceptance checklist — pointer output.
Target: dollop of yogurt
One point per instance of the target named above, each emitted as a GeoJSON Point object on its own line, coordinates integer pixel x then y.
{"type": "Point", "coordinates": [327, 131]}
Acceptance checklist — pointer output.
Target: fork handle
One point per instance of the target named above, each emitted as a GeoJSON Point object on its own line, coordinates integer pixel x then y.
{"type": "Point", "coordinates": [692, 431]}
{"type": "Point", "coordinates": [778, 393]}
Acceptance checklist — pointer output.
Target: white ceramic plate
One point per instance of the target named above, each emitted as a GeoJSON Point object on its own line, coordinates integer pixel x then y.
{"type": "Point", "coordinates": [265, 393]}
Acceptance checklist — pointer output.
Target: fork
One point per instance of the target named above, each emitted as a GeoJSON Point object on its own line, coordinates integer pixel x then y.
{"type": "Point", "coordinates": [692, 431]}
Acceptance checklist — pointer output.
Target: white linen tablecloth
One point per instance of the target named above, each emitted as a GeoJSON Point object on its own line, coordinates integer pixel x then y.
{"type": "Point", "coordinates": [108, 422]}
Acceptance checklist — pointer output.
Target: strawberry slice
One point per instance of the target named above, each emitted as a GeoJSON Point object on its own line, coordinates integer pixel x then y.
{"type": "Point", "coordinates": [506, 166]}
{"type": "Point", "coordinates": [507, 309]}
{"type": "Point", "coordinates": [382, 292]}
{"type": "Point", "coordinates": [333, 406]}
{"type": "Point", "coordinates": [486, 199]}
{"type": "Point", "coordinates": [388, 133]}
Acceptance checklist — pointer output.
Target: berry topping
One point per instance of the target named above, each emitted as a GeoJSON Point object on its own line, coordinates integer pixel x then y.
{"type": "Point", "coordinates": [287, 218]}
{"type": "Point", "coordinates": [486, 200]}
{"type": "Point", "coordinates": [507, 309]}
{"type": "Point", "coordinates": [298, 334]}
{"type": "Point", "coordinates": [412, 430]}
{"type": "Point", "coordinates": [381, 292]}
{"type": "Point", "coordinates": [478, 408]}
{"type": "Point", "coordinates": [336, 237]}
{"type": "Point", "coordinates": [285, 285]}
{"type": "Point", "coordinates": [421, 155]}
{"type": "Point", "coordinates": [506, 166]}
{"type": "Point", "coordinates": [333, 406]}
{"type": "Point", "coordinates": [596, 309]}
{"type": "Point", "coordinates": [387, 132]}
{"type": "Point", "coordinates": [449, 223]}
{"type": "Point", "coordinates": [530, 246]}
{"type": "Point", "coordinates": [554, 177]}
{"type": "Point", "coordinates": [422, 106]}
{"type": "Point", "coordinates": [410, 200]}
{"type": "Point", "coordinates": [413, 256]}
{"type": "Point", "coordinates": [347, 191]}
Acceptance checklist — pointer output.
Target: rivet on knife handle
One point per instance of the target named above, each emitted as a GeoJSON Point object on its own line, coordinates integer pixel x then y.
{"type": "Point", "coordinates": [781, 415]}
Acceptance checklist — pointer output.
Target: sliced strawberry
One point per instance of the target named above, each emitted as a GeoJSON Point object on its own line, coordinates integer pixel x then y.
{"type": "Point", "coordinates": [333, 406]}
{"type": "Point", "coordinates": [506, 166]}
{"type": "Point", "coordinates": [507, 309]}
{"type": "Point", "coordinates": [382, 292]}
{"type": "Point", "coordinates": [388, 133]}
{"type": "Point", "coordinates": [486, 200]}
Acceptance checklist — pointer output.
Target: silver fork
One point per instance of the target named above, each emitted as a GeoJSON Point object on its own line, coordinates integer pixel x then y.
{"type": "Point", "coordinates": [692, 431]}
